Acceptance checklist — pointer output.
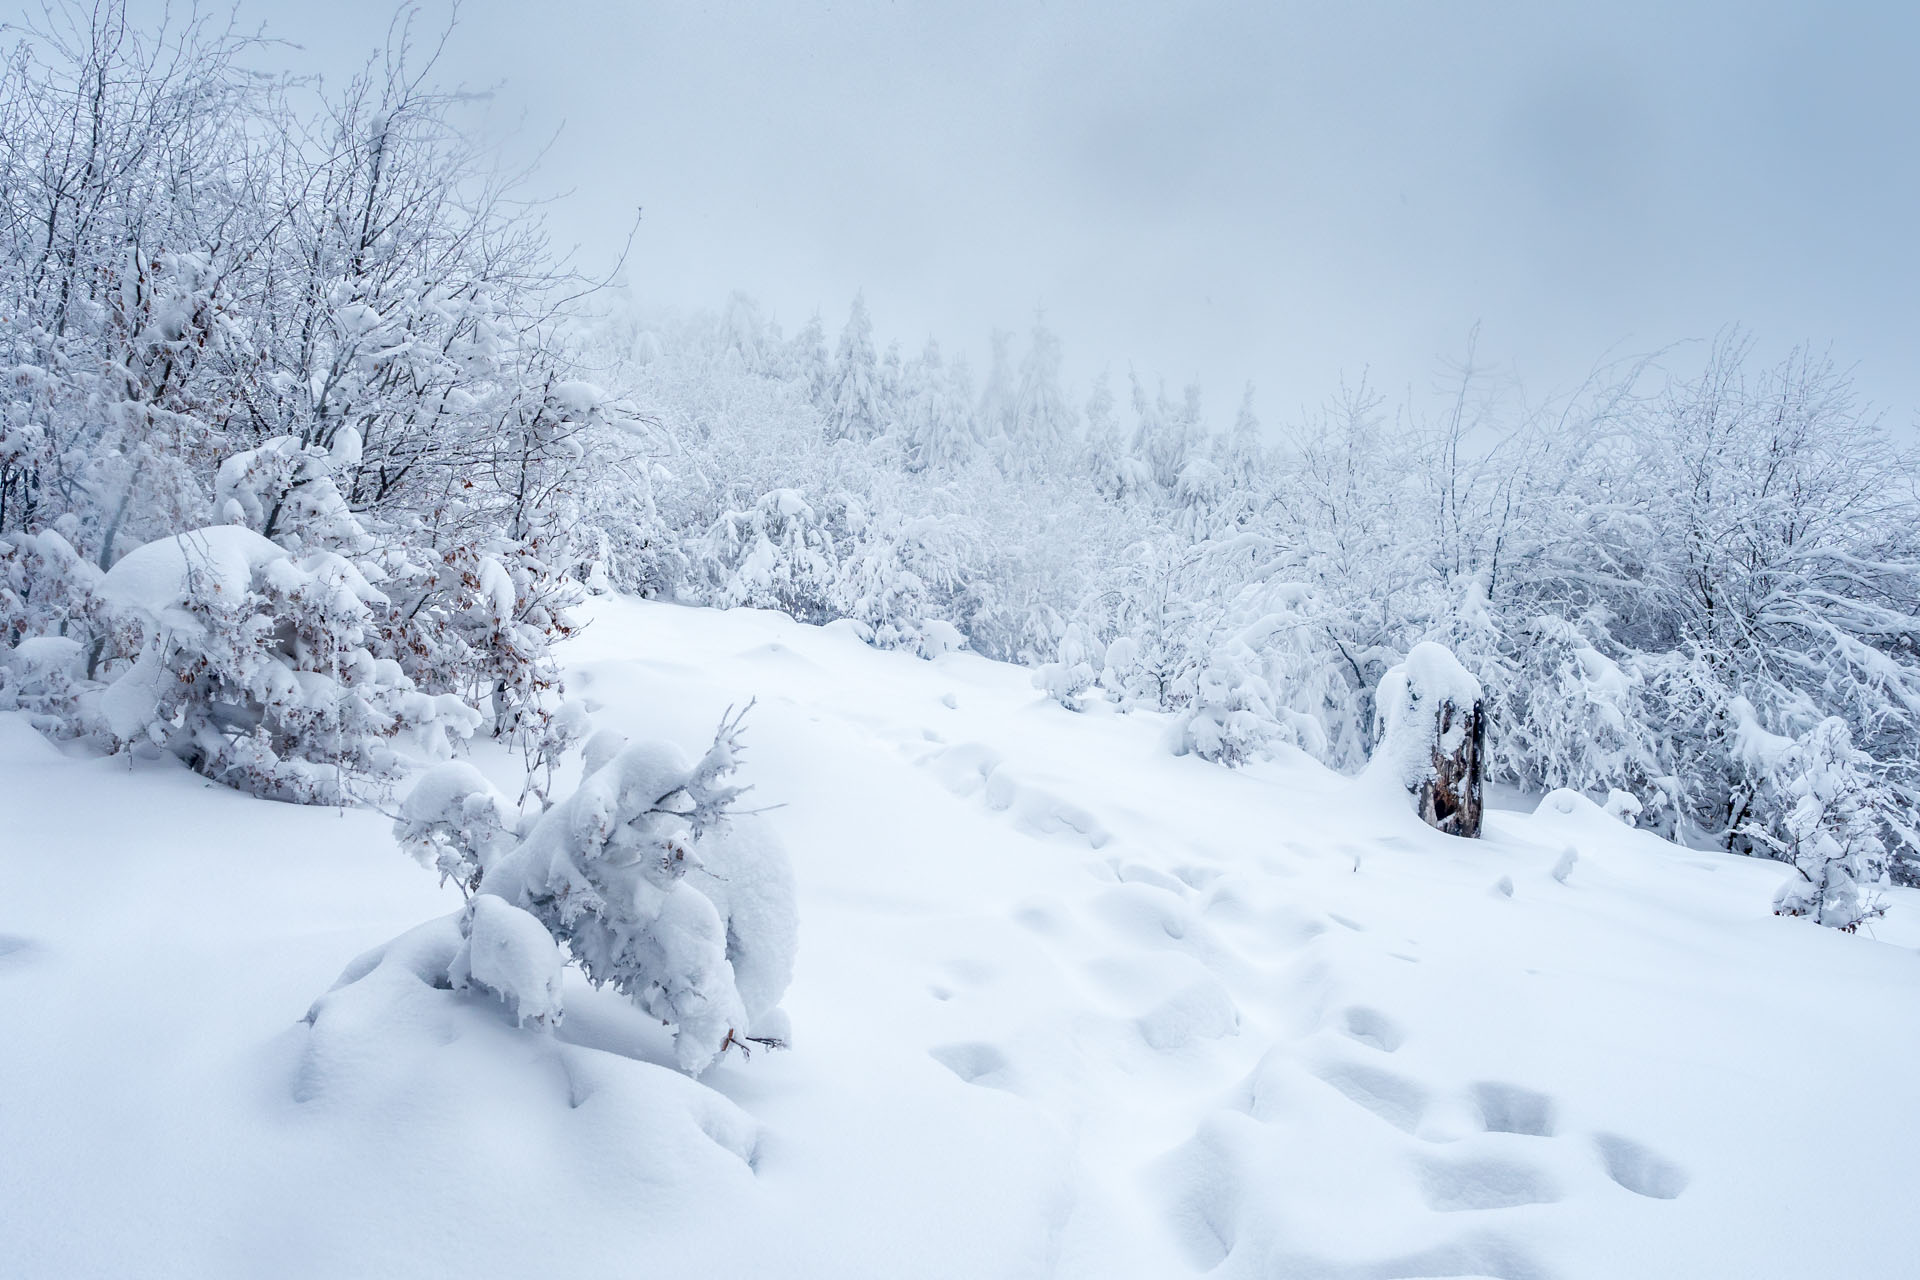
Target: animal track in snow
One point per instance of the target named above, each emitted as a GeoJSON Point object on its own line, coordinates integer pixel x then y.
{"type": "Point", "coordinates": [1508, 1108]}
{"type": "Point", "coordinates": [1204, 1203]}
{"type": "Point", "coordinates": [1198, 877]}
{"type": "Point", "coordinates": [1290, 926]}
{"type": "Point", "coordinates": [1639, 1169]}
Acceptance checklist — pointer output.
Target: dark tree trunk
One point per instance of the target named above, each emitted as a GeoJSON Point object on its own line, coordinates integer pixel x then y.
{"type": "Point", "coordinates": [1450, 799]}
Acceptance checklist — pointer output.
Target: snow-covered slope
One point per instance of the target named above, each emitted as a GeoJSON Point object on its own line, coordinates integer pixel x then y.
{"type": "Point", "coordinates": [1066, 1005]}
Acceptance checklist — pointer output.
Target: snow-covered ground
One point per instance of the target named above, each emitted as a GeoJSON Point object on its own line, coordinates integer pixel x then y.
{"type": "Point", "coordinates": [1066, 1005]}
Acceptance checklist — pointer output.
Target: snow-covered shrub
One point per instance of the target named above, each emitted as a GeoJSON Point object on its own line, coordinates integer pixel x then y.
{"type": "Point", "coordinates": [478, 620]}
{"type": "Point", "coordinates": [1623, 805]}
{"type": "Point", "coordinates": [1071, 676]}
{"type": "Point", "coordinates": [898, 574]}
{"type": "Point", "coordinates": [645, 877]}
{"type": "Point", "coordinates": [44, 676]}
{"type": "Point", "coordinates": [285, 491]}
{"type": "Point", "coordinates": [46, 589]}
{"type": "Point", "coordinates": [615, 873]}
{"type": "Point", "coordinates": [352, 340]}
{"type": "Point", "coordinates": [744, 872]}
{"type": "Point", "coordinates": [1832, 834]}
{"type": "Point", "coordinates": [1122, 674]}
{"type": "Point", "coordinates": [253, 668]}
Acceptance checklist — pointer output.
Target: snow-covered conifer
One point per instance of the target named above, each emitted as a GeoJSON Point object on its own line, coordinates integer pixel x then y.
{"type": "Point", "coordinates": [610, 872]}
{"type": "Point", "coordinates": [853, 391]}
{"type": "Point", "coordinates": [1831, 834]}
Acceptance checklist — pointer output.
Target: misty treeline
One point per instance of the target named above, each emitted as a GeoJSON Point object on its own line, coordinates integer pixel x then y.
{"type": "Point", "coordinates": [1690, 589]}
{"type": "Point", "coordinates": [308, 440]}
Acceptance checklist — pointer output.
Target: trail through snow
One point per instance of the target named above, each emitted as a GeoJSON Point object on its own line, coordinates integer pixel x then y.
{"type": "Point", "coordinates": [1066, 1006]}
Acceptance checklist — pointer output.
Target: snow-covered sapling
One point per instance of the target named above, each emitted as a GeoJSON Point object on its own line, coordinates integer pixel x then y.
{"type": "Point", "coordinates": [1832, 835]}
{"type": "Point", "coordinates": [646, 876]}
{"type": "Point", "coordinates": [610, 872]}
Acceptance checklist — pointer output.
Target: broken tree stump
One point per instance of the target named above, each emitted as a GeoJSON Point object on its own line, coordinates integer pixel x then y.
{"type": "Point", "coordinates": [1433, 736]}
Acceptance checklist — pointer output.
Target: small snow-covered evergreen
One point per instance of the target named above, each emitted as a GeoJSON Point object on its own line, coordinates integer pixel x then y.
{"type": "Point", "coordinates": [645, 877]}
{"type": "Point", "coordinates": [1831, 835]}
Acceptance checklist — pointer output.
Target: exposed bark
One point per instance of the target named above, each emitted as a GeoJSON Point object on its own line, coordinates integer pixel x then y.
{"type": "Point", "coordinates": [1450, 799]}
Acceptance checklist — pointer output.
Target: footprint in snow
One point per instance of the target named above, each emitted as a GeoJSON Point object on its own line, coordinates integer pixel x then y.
{"type": "Point", "coordinates": [1394, 1098]}
{"type": "Point", "coordinates": [1140, 873]}
{"type": "Point", "coordinates": [1639, 1169]}
{"type": "Point", "coordinates": [1148, 917]}
{"type": "Point", "coordinates": [975, 1062]}
{"type": "Point", "coordinates": [1195, 877]}
{"type": "Point", "coordinates": [1372, 1028]}
{"type": "Point", "coordinates": [972, 768]}
{"type": "Point", "coordinates": [1043, 916]}
{"type": "Point", "coordinates": [1509, 1108]}
{"type": "Point", "coordinates": [1201, 1010]}
{"type": "Point", "coordinates": [1483, 1182]}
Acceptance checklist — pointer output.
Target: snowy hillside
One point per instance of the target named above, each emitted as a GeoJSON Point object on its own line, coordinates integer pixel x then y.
{"type": "Point", "coordinates": [1066, 1005]}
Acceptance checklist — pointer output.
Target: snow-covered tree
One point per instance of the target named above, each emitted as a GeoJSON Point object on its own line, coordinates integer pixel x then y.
{"type": "Point", "coordinates": [1832, 832]}
{"type": "Point", "coordinates": [853, 392]}
{"type": "Point", "coordinates": [776, 554]}
{"type": "Point", "coordinates": [618, 874]}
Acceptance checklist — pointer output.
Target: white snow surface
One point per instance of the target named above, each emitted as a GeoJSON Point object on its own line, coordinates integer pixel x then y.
{"type": "Point", "coordinates": [1066, 1005]}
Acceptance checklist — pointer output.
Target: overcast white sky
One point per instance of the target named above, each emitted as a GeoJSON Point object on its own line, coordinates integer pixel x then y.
{"type": "Point", "coordinates": [1272, 191]}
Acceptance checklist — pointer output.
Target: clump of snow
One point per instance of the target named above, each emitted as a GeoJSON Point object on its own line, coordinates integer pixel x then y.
{"type": "Point", "coordinates": [453, 821]}
{"type": "Point", "coordinates": [1564, 864]}
{"type": "Point", "coordinates": [511, 954]}
{"type": "Point", "coordinates": [162, 580]}
{"type": "Point", "coordinates": [1623, 805]}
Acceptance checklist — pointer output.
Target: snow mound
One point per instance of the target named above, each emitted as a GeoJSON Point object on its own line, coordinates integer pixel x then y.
{"type": "Point", "coordinates": [1270, 1027]}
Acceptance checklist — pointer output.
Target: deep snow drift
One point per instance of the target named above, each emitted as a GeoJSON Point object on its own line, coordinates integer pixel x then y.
{"type": "Point", "coordinates": [1066, 1005]}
